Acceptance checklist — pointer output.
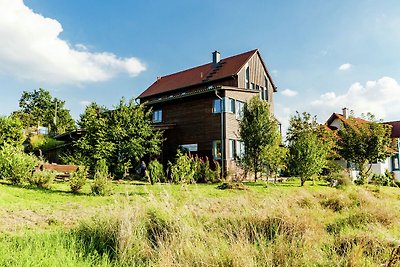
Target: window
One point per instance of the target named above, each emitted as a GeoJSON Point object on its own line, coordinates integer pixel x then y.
{"type": "Point", "coordinates": [261, 93]}
{"type": "Point", "coordinates": [266, 89]}
{"type": "Point", "coordinates": [240, 149]}
{"type": "Point", "coordinates": [232, 147]}
{"type": "Point", "coordinates": [217, 106]}
{"type": "Point", "coordinates": [230, 105]}
{"type": "Point", "coordinates": [247, 78]}
{"type": "Point", "coordinates": [157, 116]}
{"type": "Point", "coordinates": [217, 149]}
{"type": "Point", "coordinates": [253, 86]}
{"type": "Point", "coordinates": [239, 109]}
{"type": "Point", "coordinates": [395, 163]}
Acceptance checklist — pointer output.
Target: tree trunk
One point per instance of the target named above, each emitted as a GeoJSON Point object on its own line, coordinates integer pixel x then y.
{"type": "Point", "coordinates": [255, 170]}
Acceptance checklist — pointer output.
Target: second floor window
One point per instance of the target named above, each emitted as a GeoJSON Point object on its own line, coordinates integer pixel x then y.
{"type": "Point", "coordinates": [239, 109]}
{"type": "Point", "coordinates": [157, 116]}
{"type": "Point", "coordinates": [217, 106]}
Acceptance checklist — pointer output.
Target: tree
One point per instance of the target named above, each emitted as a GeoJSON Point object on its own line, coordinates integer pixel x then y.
{"type": "Point", "coordinates": [121, 136]}
{"type": "Point", "coordinates": [39, 108]}
{"type": "Point", "coordinates": [259, 133]}
{"type": "Point", "coordinates": [364, 142]}
{"type": "Point", "coordinates": [309, 146]}
{"type": "Point", "coordinates": [11, 132]}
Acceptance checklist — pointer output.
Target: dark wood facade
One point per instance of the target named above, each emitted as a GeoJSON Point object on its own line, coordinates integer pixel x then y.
{"type": "Point", "coordinates": [188, 118]}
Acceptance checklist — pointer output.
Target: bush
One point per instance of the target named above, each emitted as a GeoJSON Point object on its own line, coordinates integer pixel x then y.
{"type": "Point", "coordinates": [183, 170]}
{"type": "Point", "coordinates": [15, 165]}
{"type": "Point", "coordinates": [101, 184]}
{"type": "Point", "coordinates": [78, 179]}
{"type": "Point", "coordinates": [203, 172]}
{"type": "Point", "coordinates": [339, 179]}
{"type": "Point", "coordinates": [156, 172]}
{"type": "Point", "coordinates": [42, 179]}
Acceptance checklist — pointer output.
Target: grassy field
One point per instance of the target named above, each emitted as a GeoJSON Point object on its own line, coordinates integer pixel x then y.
{"type": "Point", "coordinates": [200, 225]}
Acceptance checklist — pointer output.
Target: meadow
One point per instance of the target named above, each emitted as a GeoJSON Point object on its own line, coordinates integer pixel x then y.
{"type": "Point", "coordinates": [251, 224]}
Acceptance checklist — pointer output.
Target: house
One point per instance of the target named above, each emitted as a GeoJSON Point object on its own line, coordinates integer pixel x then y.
{"type": "Point", "coordinates": [391, 164]}
{"type": "Point", "coordinates": [199, 109]}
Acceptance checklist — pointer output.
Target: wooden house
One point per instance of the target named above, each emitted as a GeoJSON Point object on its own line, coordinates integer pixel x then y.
{"type": "Point", "coordinates": [199, 109]}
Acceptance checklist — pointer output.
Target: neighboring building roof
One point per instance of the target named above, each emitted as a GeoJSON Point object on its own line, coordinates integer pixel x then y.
{"type": "Point", "coordinates": [335, 116]}
{"type": "Point", "coordinates": [395, 128]}
{"type": "Point", "coordinates": [227, 67]}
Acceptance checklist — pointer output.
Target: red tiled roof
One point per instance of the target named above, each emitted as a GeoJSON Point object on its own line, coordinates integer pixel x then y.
{"type": "Point", "coordinates": [228, 67]}
{"type": "Point", "coordinates": [340, 117]}
{"type": "Point", "coordinates": [395, 128]}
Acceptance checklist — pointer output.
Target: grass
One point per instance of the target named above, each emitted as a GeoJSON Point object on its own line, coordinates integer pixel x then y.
{"type": "Point", "coordinates": [200, 225]}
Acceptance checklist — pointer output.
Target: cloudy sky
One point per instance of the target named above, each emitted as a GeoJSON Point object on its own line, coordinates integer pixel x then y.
{"type": "Point", "coordinates": [324, 55]}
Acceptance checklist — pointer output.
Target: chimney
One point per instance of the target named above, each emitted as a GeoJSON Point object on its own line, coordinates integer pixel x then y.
{"type": "Point", "coordinates": [216, 56]}
{"type": "Point", "coordinates": [345, 112]}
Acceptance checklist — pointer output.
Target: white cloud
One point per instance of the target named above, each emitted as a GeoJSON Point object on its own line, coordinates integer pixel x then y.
{"type": "Point", "coordinates": [289, 93]}
{"type": "Point", "coordinates": [380, 97]}
{"type": "Point", "coordinates": [31, 48]}
{"type": "Point", "coordinates": [345, 66]}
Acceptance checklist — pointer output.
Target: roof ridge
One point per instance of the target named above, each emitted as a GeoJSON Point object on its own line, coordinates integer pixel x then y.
{"type": "Point", "coordinates": [203, 65]}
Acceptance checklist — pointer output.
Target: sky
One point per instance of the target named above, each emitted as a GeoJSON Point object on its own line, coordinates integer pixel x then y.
{"type": "Point", "coordinates": [323, 55]}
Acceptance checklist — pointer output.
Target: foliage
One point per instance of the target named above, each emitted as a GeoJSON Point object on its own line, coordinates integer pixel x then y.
{"type": "Point", "coordinates": [308, 152]}
{"type": "Point", "coordinates": [182, 170]}
{"type": "Point", "coordinates": [42, 142]}
{"type": "Point", "coordinates": [101, 181]}
{"type": "Point", "coordinates": [120, 136]}
{"type": "Point", "coordinates": [339, 179]}
{"type": "Point", "coordinates": [42, 179]}
{"type": "Point", "coordinates": [364, 142]}
{"type": "Point", "coordinates": [260, 135]}
{"type": "Point", "coordinates": [78, 179]}
{"type": "Point", "coordinates": [386, 179]}
{"type": "Point", "coordinates": [156, 171]}
{"type": "Point", "coordinates": [11, 131]}
{"type": "Point", "coordinates": [203, 172]}
{"type": "Point", "coordinates": [38, 108]}
{"type": "Point", "coordinates": [15, 165]}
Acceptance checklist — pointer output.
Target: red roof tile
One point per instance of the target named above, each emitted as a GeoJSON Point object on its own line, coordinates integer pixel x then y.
{"type": "Point", "coordinates": [197, 75]}
{"type": "Point", "coordinates": [395, 128]}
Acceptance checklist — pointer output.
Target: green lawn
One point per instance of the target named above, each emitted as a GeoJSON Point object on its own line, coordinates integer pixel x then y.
{"type": "Point", "coordinates": [199, 225]}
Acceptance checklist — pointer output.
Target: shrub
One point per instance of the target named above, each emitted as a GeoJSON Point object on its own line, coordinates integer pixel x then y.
{"type": "Point", "coordinates": [339, 179]}
{"type": "Point", "coordinates": [78, 179]}
{"type": "Point", "coordinates": [156, 172]}
{"type": "Point", "coordinates": [182, 171]}
{"type": "Point", "coordinates": [15, 165]}
{"type": "Point", "coordinates": [101, 183]}
{"type": "Point", "coordinates": [203, 172]}
{"type": "Point", "coordinates": [42, 179]}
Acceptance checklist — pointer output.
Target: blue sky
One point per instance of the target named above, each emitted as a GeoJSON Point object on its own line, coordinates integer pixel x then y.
{"type": "Point", "coordinates": [323, 55]}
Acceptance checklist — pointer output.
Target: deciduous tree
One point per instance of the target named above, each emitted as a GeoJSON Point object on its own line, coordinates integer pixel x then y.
{"type": "Point", "coordinates": [364, 142]}
{"type": "Point", "coordinates": [309, 146]}
{"type": "Point", "coordinates": [259, 133]}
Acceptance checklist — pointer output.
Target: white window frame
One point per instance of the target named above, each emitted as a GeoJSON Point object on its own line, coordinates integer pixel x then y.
{"type": "Point", "coordinates": [217, 108]}
{"type": "Point", "coordinates": [247, 77]}
{"type": "Point", "coordinates": [239, 109]}
{"type": "Point", "coordinates": [232, 149]}
{"type": "Point", "coordinates": [157, 116]}
{"type": "Point", "coordinates": [215, 153]}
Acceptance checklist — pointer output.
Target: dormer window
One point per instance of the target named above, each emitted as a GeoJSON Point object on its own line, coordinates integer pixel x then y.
{"type": "Point", "coordinates": [157, 116]}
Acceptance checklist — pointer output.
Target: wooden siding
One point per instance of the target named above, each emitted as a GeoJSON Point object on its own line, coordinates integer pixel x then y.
{"type": "Point", "coordinates": [257, 76]}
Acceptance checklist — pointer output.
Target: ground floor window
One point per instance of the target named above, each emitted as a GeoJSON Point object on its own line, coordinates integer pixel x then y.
{"type": "Point", "coordinates": [240, 149]}
{"type": "Point", "coordinates": [217, 149]}
{"type": "Point", "coordinates": [395, 162]}
{"type": "Point", "coordinates": [232, 148]}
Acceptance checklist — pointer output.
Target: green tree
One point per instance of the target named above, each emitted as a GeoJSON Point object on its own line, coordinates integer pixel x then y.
{"type": "Point", "coordinates": [39, 108]}
{"type": "Point", "coordinates": [121, 136]}
{"type": "Point", "coordinates": [11, 132]}
{"type": "Point", "coordinates": [259, 133]}
{"type": "Point", "coordinates": [364, 142]}
{"type": "Point", "coordinates": [309, 147]}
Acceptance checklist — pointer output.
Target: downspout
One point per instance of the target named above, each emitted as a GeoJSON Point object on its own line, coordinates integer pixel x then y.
{"type": "Point", "coordinates": [222, 134]}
